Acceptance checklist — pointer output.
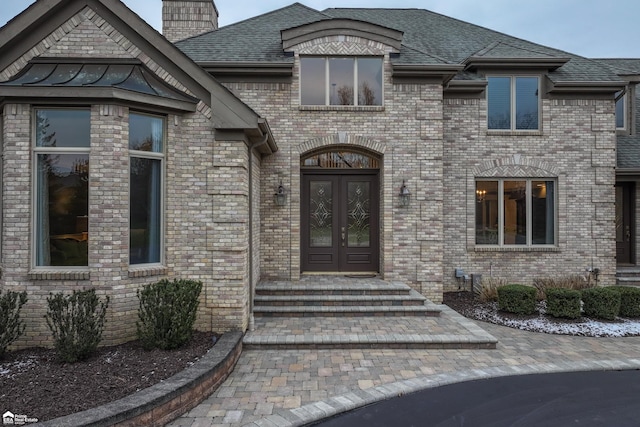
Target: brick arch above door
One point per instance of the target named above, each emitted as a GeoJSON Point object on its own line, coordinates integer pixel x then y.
{"type": "Point", "coordinates": [342, 138]}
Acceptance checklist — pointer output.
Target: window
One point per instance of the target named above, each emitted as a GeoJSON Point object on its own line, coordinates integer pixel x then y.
{"type": "Point", "coordinates": [621, 122]}
{"type": "Point", "coordinates": [62, 142]}
{"type": "Point", "coordinates": [341, 81]}
{"type": "Point", "coordinates": [513, 103]}
{"type": "Point", "coordinates": [516, 212]}
{"type": "Point", "coordinates": [146, 149]}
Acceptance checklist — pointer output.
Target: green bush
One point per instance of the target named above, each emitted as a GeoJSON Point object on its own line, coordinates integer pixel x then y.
{"type": "Point", "coordinates": [167, 313]}
{"type": "Point", "coordinates": [489, 289]}
{"type": "Point", "coordinates": [575, 282]}
{"type": "Point", "coordinates": [629, 300]}
{"type": "Point", "coordinates": [517, 299]}
{"type": "Point", "coordinates": [76, 322]}
{"type": "Point", "coordinates": [11, 327]}
{"type": "Point", "coordinates": [563, 303]}
{"type": "Point", "coordinates": [601, 303]}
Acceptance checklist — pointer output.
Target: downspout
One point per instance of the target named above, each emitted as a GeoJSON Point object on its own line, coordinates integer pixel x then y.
{"type": "Point", "coordinates": [252, 285]}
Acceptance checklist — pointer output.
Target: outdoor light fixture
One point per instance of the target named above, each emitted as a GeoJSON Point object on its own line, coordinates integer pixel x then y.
{"type": "Point", "coordinates": [405, 195]}
{"type": "Point", "coordinates": [280, 197]}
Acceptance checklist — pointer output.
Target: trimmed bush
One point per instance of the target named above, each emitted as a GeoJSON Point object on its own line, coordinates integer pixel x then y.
{"type": "Point", "coordinates": [517, 299]}
{"type": "Point", "coordinates": [601, 303]}
{"type": "Point", "coordinates": [629, 300]}
{"type": "Point", "coordinates": [563, 303]}
{"type": "Point", "coordinates": [76, 322]}
{"type": "Point", "coordinates": [167, 313]}
{"type": "Point", "coordinates": [11, 327]}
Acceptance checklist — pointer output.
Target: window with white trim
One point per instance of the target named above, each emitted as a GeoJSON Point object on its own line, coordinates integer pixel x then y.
{"type": "Point", "coordinates": [516, 212]}
{"type": "Point", "coordinates": [146, 155]}
{"type": "Point", "coordinates": [61, 196]}
{"type": "Point", "coordinates": [513, 103]}
{"type": "Point", "coordinates": [340, 80]}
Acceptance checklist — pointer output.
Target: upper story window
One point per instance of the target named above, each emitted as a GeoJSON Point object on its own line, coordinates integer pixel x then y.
{"type": "Point", "coordinates": [340, 80]}
{"type": "Point", "coordinates": [61, 151]}
{"type": "Point", "coordinates": [513, 103]}
{"type": "Point", "coordinates": [516, 212]}
{"type": "Point", "coordinates": [621, 110]}
{"type": "Point", "coordinates": [146, 152]}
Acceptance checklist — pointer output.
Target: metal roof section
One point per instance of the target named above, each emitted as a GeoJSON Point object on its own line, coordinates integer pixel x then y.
{"type": "Point", "coordinates": [90, 77]}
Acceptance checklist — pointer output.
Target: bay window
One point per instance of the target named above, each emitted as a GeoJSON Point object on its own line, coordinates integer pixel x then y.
{"type": "Point", "coordinates": [513, 103]}
{"type": "Point", "coordinates": [516, 212]}
{"type": "Point", "coordinates": [61, 152]}
{"type": "Point", "coordinates": [341, 80]}
{"type": "Point", "coordinates": [146, 151]}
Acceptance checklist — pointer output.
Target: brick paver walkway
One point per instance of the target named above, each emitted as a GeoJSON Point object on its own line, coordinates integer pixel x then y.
{"type": "Point", "coordinates": [276, 387]}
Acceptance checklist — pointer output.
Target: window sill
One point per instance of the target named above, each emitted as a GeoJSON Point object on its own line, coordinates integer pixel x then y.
{"type": "Point", "coordinates": [495, 132]}
{"type": "Point", "coordinates": [516, 249]}
{"type": "Point", "coordinates": [80, 274]}
{"type": "Point", "coordinates": [147, 271]}
{"type": "Point", "coordinates": [368, 108]}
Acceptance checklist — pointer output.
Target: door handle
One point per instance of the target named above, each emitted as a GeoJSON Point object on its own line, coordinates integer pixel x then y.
{"type": "Point", "coordinates": [343, 235]}
{"type": "Point", "coordinates": [628, 234]}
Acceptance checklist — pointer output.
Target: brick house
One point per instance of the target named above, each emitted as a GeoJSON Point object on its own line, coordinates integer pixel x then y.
{"type": "Point", "coordinates": [352, 141]}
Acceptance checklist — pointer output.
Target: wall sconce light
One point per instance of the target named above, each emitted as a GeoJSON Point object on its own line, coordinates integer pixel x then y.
{"type": "Point", "coordinates": [280, 197]}
{"type": "Point", "coordinates": [405, 195]}
{"type": "Point", "coordinates": [481, 195]}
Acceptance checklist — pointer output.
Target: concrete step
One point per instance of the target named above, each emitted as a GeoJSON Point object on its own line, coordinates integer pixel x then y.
{"type": "Point", "coordinates": [348, 288]}
{"type": "Point", "coordinates": [315, 300]}
{"type": "Point", "coordinates": [447, 331]}
{"type": "Point", "coordinates": [343, 311]}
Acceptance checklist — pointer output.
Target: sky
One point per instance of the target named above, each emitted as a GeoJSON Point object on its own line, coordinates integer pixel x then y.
{"type": "Point", "coordinates": [591, 28]}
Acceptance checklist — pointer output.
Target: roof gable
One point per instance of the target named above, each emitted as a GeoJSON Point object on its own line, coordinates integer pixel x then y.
{"type": "Point", "coordinates": [21, 40]}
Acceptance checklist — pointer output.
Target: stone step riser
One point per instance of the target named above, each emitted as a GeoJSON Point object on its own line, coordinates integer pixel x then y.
{"type": "Point", "coordinates": [346, 313]}
{"type": "Point", "coordinates": [324, 292]}
{"type": "Point", "coordinates": [294, 303]}
{"type": "Point", "coordinates": [373, 346]}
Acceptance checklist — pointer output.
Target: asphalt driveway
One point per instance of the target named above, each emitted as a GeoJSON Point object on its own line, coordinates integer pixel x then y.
{"type": "Point", "coordinates": [595, 398]}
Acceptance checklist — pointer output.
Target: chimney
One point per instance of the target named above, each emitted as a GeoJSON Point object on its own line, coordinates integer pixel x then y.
{"type": "Point", "coordinates": [187, 18]}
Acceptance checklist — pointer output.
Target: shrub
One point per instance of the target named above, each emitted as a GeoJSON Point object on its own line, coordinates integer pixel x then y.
{"type": "Point", "coordinates": [167, 313]}
{"type": "Point", "coordinates": [489, 289]}
{"type": "Point", "coordinates": [563, 303]}
{"type": "Point", "coordinates": [575, 282]}
{"type": "Point", "coordinates": [601, 303]}
{"type": "Point", "coordinates": [517, 299]}
{"type": "Point", "coordinates": [629, 300]}
{"type": "Point", "coordinates": [11, 327]}
{"type": "Point", "coordinates": [76, 322]}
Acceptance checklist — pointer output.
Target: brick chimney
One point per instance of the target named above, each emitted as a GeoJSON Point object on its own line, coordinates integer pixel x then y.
{"type": "Point", "coordinates": [187, 18]}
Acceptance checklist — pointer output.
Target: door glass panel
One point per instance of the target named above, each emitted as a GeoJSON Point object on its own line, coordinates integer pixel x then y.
{"type": "Point", "coordinates": [515, 212]}
{"type": "Point", "coordinates": [358, 199]}
{"type": "Point", "coordinates": [320, 214]}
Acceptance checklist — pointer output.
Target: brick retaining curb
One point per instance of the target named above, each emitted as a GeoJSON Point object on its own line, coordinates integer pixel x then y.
{"type": "Point", "coordinates": [169, 399]}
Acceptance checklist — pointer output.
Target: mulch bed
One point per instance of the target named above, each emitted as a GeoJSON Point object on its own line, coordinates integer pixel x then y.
{"type": "Point", "coordinates": [35, 384]}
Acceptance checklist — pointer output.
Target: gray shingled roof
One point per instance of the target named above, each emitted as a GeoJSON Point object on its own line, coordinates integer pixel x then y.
{"type": "Point", "coordinates": [628, 146]}
{"type": "Point", "coordinates": [428, 38]}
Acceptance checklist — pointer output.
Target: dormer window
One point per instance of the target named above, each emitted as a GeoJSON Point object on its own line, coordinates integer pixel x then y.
{"type": "Point", "coordinates": [341, 81]}
{"type": "Point", "coordinates": [513, 103]}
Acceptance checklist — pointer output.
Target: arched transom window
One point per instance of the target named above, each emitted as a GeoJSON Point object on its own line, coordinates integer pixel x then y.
{"type": "Point", "coordinates": [340, 159]}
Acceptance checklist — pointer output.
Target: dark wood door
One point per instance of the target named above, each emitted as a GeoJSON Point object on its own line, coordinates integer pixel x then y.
{"type": "Point", "coordinates": [339, 224]}
{"type": "Point", "coordinates": [625, 223]}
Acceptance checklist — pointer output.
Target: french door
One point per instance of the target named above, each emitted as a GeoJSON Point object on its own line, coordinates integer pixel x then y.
{"type": "Point", "coordinates": [340, 221]}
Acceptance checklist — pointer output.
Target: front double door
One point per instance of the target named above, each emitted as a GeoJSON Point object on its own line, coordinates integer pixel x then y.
{"type": "Point", "coordinates": [340, 221]}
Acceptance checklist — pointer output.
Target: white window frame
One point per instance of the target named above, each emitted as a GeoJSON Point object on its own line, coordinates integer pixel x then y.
{"type": "Point", "coordinates": [529, 212]}
{"type": "Point", "coordinates": [327, 83]}
{"type": "Point", "coordinates": [151, 155]}
{"type": "Point", "coordinates": [512, 103]}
